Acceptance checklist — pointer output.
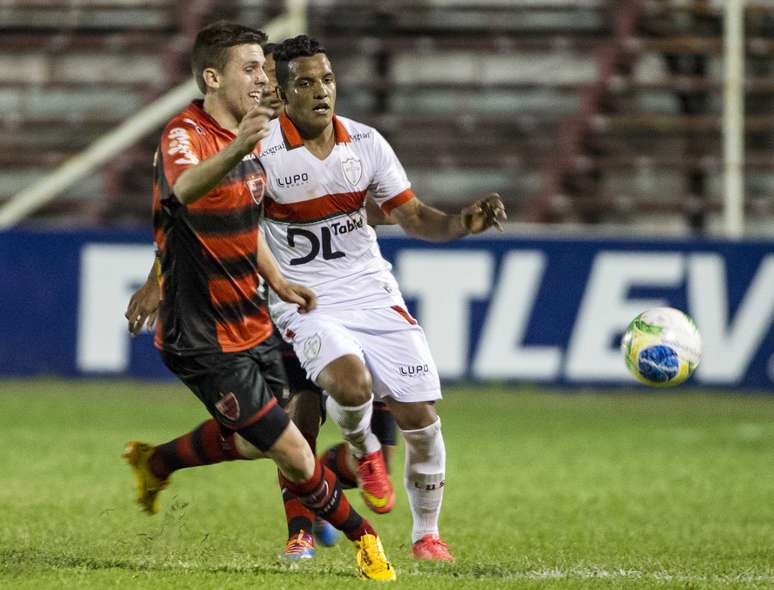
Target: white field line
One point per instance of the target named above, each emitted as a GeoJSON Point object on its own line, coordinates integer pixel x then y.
{"type": "Point", "coordinates": [573, 573]}
{"type": "Point", "coordinates": [588, 573]}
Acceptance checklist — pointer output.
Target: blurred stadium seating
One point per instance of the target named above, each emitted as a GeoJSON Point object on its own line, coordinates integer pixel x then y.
{"type": "Point", "coordinates": [593, 111]}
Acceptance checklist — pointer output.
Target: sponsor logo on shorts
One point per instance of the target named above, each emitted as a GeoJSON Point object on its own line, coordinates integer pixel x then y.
{"type": "Point", "coordinates": [228, 406]}
{"type": "Point", "coordinates": [414, 370]}
{"type": "Point", "coordinates": [312, 347]}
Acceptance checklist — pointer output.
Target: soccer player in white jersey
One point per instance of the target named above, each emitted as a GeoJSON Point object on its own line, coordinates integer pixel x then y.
{"type": "Point", "coordinates": [360, 341]}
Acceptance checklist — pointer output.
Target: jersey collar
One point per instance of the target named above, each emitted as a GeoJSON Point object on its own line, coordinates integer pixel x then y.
{"type": "Point", "coordinates": [197, 106]}
{"type": "Point", "coordinates": [294, 140]}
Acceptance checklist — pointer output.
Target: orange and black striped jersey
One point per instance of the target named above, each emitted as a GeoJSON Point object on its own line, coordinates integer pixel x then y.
{"type": "Point", "coordinates": [208, 249]}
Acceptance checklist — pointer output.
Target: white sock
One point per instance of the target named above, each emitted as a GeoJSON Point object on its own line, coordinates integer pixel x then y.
{"type": "Point", "coordinates": [355, 424]}
{"type": "Point", "coordinates": [424, 477]}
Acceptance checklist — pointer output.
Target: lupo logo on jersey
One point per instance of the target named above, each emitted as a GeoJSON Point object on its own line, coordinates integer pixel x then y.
{"type": "Point", "coordinates": [292, 180]}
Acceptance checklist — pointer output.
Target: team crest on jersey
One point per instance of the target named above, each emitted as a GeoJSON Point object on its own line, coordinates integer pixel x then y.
{"type": "Point", "coordinates": [353, 170]}
{"type": "Point", "coordinates": [228, 406]}
{"type": "Point", "coordinates": [312, 347]}
{"type": "Point", "coordinates": [257, 187]}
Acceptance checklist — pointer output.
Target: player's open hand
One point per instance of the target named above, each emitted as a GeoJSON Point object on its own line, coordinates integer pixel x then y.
{"type": "Point", "coordinates": [483, 214]}
{"type": "Point", "coordinates": [253, 127]}
{"type": "Point", "coordinates": [298, 294]}
{"type": "Point", "coordinates": [143, 308]}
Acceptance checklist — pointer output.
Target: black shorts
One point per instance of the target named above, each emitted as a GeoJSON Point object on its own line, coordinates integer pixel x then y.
{"type": "Point", "coordinates": [240, 389]}
{"type": "Point", "coordinates": [297, 379]}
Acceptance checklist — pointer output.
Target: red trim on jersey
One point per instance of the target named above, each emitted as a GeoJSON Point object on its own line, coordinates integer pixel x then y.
{"type": "Point", "coordinates": [314, 209]}
{"type": "Point", "coordinates": [292, 136]}
{"type": "Point", "coordinates": [398, 200]}
{"type": "Point", "coordinates": [294, 139]}
{"type": "Point", "coordinates": [342, 135]}
{"type": "Point", "coordinates": [406, 316]}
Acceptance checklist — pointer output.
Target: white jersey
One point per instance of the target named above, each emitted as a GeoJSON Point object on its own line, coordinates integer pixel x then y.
{"type": "Point", "coordinates": [315, 219]}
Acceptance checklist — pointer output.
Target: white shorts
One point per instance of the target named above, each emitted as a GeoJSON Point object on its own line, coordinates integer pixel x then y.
{"type": "Point", "coordinates": [388, 340]}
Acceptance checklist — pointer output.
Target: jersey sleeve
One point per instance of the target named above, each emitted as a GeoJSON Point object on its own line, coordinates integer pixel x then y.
{"type": "Point", "coordinates": [390, 186]}
{"type": "Point", "coordinates": [181, 147]}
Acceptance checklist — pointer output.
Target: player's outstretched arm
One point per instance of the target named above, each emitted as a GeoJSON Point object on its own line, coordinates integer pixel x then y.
{"type": "Point", "coordinates": [201, 178]}
{"type": "Point", "coordinates": [427, 223]}
{"type": "Point", "coordinates": [143, 308]}
{"type": "Point", "coordinates": [289, 292]}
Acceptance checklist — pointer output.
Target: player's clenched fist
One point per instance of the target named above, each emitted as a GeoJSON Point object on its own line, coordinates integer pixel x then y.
{"type": "Point", "coordinates": [298, 294]}
{"type": "Point", "coordinates": [253, 127]}
{"type": "Point", "coordinates": [483, 214]}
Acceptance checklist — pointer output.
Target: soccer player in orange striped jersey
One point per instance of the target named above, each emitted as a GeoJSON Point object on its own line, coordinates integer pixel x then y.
{"type": "Point", "coordinates": [301, 398]}
{"type": "Point", "coordinates": [360, 341]}
{"type": "Point", "coordinates": [212, 331]}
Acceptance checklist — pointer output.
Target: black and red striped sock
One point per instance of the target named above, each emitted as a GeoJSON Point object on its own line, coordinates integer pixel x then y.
{"type": "Point", "coordinates": [298, 516]}
{"type": "Point", "coordinates": [205, 445]}
{"type": "Point", "coordinates": [336, 459]}
{"type": "Point", "coordinates": [322, 494]}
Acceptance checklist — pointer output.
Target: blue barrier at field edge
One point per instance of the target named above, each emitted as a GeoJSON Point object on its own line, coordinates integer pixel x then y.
{"type": "Point", "coordinates": [514, 309]}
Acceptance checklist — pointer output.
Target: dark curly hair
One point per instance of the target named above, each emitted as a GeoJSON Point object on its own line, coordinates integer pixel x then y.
{"type": "Point", "coordinates": [289, 49]}
{"type": "Point", "coordinates": [210, 49]}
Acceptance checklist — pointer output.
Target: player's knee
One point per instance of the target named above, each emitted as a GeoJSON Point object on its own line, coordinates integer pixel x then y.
{"type": "Point", "coordinates": [413, 416]}
{"type": "Point", "coordinates": [246, 449]}
{"type": "Point", "coordinates": [348, 381]}
{"type": "Point", "coordinates": [293, 456]}
{"type": "Point", "coordinates": [360, 385]}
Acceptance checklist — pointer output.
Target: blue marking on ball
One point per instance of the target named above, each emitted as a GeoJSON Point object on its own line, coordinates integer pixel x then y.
{"type": "Point", "coordinates": [658, 364]}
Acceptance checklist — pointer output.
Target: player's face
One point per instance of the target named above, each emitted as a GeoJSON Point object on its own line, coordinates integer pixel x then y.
{"type": "Point", "coordinates": [311, 92]}
{"type": "Point", "coordinates": [270, 98]}
{"type": "Point", "coordinates": [242, 80]}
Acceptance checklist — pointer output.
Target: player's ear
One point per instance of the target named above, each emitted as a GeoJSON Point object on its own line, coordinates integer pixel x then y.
{"type": "Point", "coordinates": [281, 94]}
{"type": "Point", "coordinates": [211, 78]}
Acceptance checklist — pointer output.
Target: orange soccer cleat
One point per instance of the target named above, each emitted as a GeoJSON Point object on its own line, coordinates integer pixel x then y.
{"type": "Point", "coordinates": [431, 548]}
{"type": "Point", "coordinates": [374, 483]}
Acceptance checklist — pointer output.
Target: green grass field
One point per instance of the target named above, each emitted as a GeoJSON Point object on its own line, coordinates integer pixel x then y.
{"type": "Point", "coordinates": [545, 490]}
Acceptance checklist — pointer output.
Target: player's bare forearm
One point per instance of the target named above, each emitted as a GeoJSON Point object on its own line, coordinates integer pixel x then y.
{"type": "Point", "coordinates": [428, 223]}
{"type": "Point", "coordinates": [289, 292]}
{"type": "Point", "coordinates": [200, 179]}
{"type": "Point", "coordinates": [267, 266]}
{"type": "Point", "coordinates": [375, 214]}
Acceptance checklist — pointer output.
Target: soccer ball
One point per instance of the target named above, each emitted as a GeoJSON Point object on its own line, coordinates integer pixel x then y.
{"type": "Point", "coordinates": [662, 347]}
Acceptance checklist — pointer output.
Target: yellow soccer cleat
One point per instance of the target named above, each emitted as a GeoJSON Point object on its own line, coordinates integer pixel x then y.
{"type": "Point", "coordinates": [371, 561]}
{"type": "Point", "coordinates": [148, 486]}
